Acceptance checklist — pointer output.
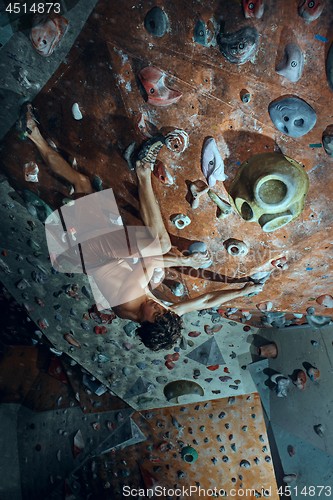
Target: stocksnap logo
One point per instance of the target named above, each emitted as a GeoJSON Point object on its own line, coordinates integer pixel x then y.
{"type": "Point", "coordinates": [88, 236]}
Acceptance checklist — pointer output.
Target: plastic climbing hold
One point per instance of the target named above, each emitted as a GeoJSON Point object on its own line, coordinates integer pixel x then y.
{"type": "Point", "coordinates": [265, 306]}
{"type": "Point", "coordinates": [199, 247]}
{"type": "Point", "coordinates": [189, 454]}
{"type": "Point", "coordinates": [225, 207]}
{"type": "Point", "coordinates": [292, 116]}
{"type": "Point", "coordinates": [212, 329]}
{"type": "Point", "coordinates": [325, 300]}
{"type": "Point", "coordinates": [162, 173]}
{"type": "Point", "coordinates": [313, 373]}
{"type": "Point", "coordinates": [240, 46]}
{"type": "Point", "coordinates": [47, 33]}
{"type": "Point", "coordinates": [177, 140]}
{"type": "Point", "coordinates": [179, 388]}
{"type": "Point", "coordinates": [329, 67]}
{"type": "Point", "coordinates": [236, 248]}
{"type": "Point", "coordinates": [197, 189]}
{"type": "Point", "coordinates": [268, 351]}
{"type": "Point", "coordinates": [156, 22]}
{"type": "Point", "coordinates": [319, 429]}
{"type": "Point", "coordinates": [72, 340]}
{"type": "Point", "coordinates": [32, 201]}
{"type": "Point", "coordinates": [291, 66]}
{"type": "Point", "coordinates": [280, 263]}
{"type": "Point", "coordinates": [245, 96]}
{"type": "Point", "coordinates": [212, 164]}
{"type": "Point", "coordinates": [194, 334]}
{"type": "Point", "coordinates": [205, 33]}
{"type": "Point", "coordinates": [181, 221]}
{"type": "Point", "coordinates": [31, 171]}
{"type": "Point", "coordinates": [310, 10]}
{"type": "Point", "coordinates": [100, 330]}
{"type": "Point", "coordinates": [253, 9]}
{"type": "Point", "coordinates": [158, 94]}
{"type": "Point", "coordinates": [282, 384]}
{"type": "Point", "coordinates": [327, 140]}
{"type": "Point", "coordinates": [76, 112]}
{"type": "Point", "coordinates": [300, 379]}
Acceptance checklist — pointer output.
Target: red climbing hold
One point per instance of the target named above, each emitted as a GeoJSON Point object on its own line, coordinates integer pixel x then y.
{"type": "Point", "coordinates": [47, 33]}
{"type": "Point", "coordinates": [153, 81]}
{"type": "Point", "coordinates": [212, 368]}
{"type": "Point", "coordinates": [100, 330]}
{"type": "Point", "coordinates": [280, 263]}
{"type": "Point", "coordinates": [194, 334]}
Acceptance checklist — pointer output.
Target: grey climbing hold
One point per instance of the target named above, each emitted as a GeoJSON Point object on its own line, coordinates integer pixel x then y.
{"type": "Point", "coordinates": [39, 277]}
{"type": "Point", "coordinates": [207, 353]}
{"type": "Point", "coordinates": [205, 34]}
{"type": "Point", "coordinates": [140, 386]}
{"type": "Point", "coordinates": [178, 289]}
{"type": "Point", "coordinates": [318, 321]}
{"type": "Point", "coordinates": [240, 46]}
{"type": "Point", "coordinates": [86, 292]}
{"type": "Point", "coordinates": [291, 66]}
{"type": "Point", "coordinates": [319, 429]}
{"type": "Point", "coordinates": [22, 284]}
{"type": "Point", "coordinates": [130, 328]}
{"type": "Point", "coordinates": [329, 66]}
{"type": "Point", "coordinates": [199, 247]}
{"type": "Point", "coordinates": [292, 116]}
{"type": "Point", "coordinates": [179, 388]}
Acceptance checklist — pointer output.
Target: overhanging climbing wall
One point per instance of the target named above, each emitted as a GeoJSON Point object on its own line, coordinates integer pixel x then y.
{"type": "Point", "coordinates": [101, 75]}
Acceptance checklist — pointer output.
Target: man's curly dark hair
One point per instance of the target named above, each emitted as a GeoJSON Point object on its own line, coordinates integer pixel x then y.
{"type": "Point", "coordinates": [163, 333]}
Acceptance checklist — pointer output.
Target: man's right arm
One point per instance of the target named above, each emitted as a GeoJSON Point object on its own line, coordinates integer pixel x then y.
{"type": "Point", "coordinates": [214, 299]}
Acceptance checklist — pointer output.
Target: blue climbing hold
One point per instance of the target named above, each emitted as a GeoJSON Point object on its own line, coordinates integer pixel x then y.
{"type": "Point", "coordinates": [156, 22]}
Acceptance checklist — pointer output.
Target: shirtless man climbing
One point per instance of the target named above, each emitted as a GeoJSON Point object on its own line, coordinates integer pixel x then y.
{"type": "Point", "coordinates": [160, 324]}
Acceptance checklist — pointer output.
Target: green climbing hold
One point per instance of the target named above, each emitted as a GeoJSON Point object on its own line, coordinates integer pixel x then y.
{"type": "Point", "coordinates": [189, 454]}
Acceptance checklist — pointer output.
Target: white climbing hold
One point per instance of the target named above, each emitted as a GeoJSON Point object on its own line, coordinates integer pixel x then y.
{"type": "Point", "coordinates": [181, 221]}
{"type": "Point", "coordinates": [76, 112]}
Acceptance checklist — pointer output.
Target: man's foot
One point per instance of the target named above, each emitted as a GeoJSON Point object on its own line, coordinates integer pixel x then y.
{"type": "Point", "coordinates": [27, 123]}
{"type": "Point", "coordinates": [147, 153]}
{"type": "Point", "coordinates": [150, 149]}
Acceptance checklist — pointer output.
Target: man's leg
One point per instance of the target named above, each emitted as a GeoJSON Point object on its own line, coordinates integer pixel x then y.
{"type": "Point", "coordinates": [149, 208]}
{"type": "Point", "coordinates": [55, 161]}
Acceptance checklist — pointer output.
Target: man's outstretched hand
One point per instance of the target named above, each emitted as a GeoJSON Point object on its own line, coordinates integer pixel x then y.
{"type": "Point", "coordinates": [143, 170]}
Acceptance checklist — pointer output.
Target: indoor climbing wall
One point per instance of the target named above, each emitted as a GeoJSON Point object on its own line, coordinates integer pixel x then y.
{"type": "Point", "coordinates": [219, 444]}
{"type": "Point", "coordinates": [208, 363]}
{"type": "Point", "coordinates": [240, 77]}
{"type": "Point", "coordinates": [296, 381]}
